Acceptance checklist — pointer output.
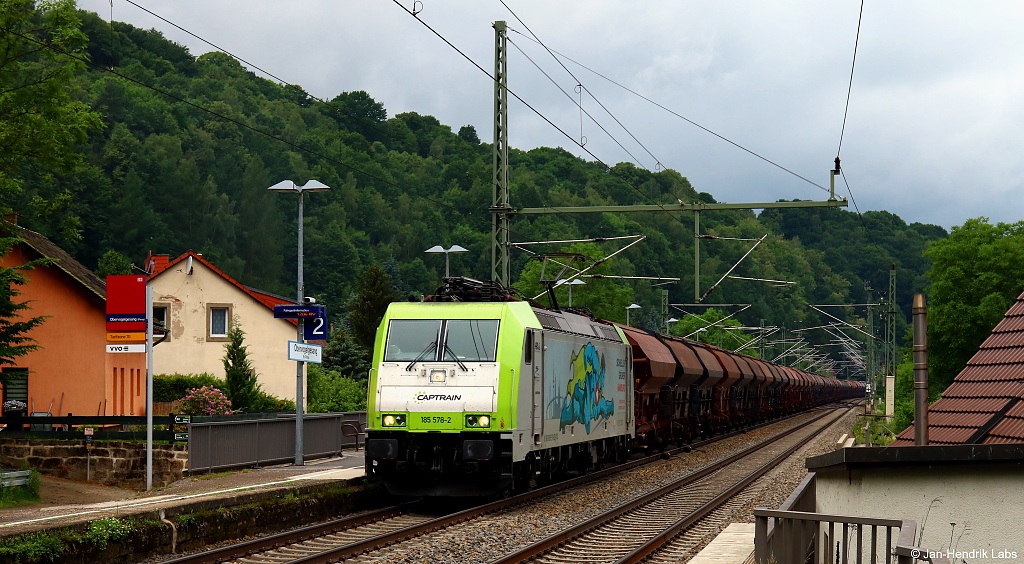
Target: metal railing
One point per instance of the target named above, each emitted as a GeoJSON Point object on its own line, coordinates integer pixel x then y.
{"type": "Point", "coordinates": [220, 445]}
{"type": "Point", "coordinates": [15, 478]}
{"type": "Point", "coordinates": [794, 534]}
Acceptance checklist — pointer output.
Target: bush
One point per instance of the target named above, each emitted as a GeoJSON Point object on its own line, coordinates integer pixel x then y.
{"type": "Point", "coordinates": [332, 392]}
{"type": "Point", "coordinates": [169, 387]}
{"type": "Point", "coordinates": [267, 403]}
{"type": "Point", "coordinates": [206, 400]}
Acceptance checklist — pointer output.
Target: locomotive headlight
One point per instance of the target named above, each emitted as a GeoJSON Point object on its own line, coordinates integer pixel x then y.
{"type": "Point", "coordinates": [437, 375]}
{"type": "Point", "coordinates": [484, 421]}
{"type": "Point", "coordinates": [393, 420]}
{"type": "Point", "coordinates": [478, 421]}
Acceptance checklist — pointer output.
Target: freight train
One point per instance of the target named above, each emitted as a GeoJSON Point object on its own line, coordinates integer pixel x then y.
{"type": "Point", "coordinates": [474, 392]}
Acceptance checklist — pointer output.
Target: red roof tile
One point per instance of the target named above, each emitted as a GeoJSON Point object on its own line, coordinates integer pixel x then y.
{"type": "Point", "coordinates": [1010, 324]}
{"type": "Point", "coordinates": [969, 405]}
{"type": "Point", "coordinates": [942, 419]}
{"type": "Point", "coordinates": [1009, 428]}
{"type": "Point", "coordinates": [1017, 410]}
{"type": "Point", "coordinates": [999, 389]}
{"type": "Point", "coordinates": [1016, 309]}
{"type": "Point", "coordinates": [946, 435]}
{"type": "Point", "coordinates": [265, 298]}
{"type": "Point", "coordinates": [983, 373]}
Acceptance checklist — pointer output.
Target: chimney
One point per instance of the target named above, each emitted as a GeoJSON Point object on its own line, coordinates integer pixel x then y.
{"type": "Point", "coordinates": [920, 315]}
{"type": "Point", "coordinates": [158, 263]}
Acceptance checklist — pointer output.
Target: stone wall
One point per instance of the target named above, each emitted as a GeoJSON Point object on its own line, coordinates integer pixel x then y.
{"type": "Point", "coordinates": [114, 463]}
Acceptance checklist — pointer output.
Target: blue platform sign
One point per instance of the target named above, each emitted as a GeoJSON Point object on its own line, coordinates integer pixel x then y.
{"type": "Point", "coordinates": [315, 329]}
{"type": "Point", "coordinates": [289, 311]}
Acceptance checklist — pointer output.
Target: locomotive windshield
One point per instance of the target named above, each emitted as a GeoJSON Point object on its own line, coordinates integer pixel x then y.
{"type": "Point", "coordinates": [473, 340]}
{"type": "Point", "coordinates": [408, 339]}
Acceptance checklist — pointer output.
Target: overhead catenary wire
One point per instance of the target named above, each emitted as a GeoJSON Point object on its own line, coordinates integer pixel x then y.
{"type": "Point", "coordinates": [846, 109]}
{"type": "Point", "coordinates": [582, 110]}
{"type": "Point", "coordinates": [580, 83]}
{"type": "Point", "coordinates": [529, 106]}
{"type": "Point", "coordinates": [691, 122]}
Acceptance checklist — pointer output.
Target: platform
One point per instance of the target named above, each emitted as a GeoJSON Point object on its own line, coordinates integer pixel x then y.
{"type": "Point", "coordinates": [732, 546]}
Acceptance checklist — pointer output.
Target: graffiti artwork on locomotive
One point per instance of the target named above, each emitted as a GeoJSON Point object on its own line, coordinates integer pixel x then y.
{"type": "Point", "coordinates": [476, 393]}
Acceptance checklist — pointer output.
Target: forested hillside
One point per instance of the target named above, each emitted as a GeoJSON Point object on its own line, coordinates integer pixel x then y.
{"type": "Point", "coordinates": [177, 152]}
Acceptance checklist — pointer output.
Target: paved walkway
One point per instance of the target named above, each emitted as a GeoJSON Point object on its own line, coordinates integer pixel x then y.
{"type": "Point", "coordinates": [201, 487]}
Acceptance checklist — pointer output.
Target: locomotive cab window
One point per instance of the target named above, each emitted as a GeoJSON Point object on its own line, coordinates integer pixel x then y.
{"type": "Point", "coordinates": [409, 339]}
{"type": "Point", "coordinates": [473, 340]}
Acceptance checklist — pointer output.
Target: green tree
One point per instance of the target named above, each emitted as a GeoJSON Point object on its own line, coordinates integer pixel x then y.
{"type": "Point", "coordinates": [14, 323]}
{"type": "Point", "coordinates": [976, 275]}
{"type": "Point", "coordinates": [329, 391]}
{"type": "Point", "coordinates": [345, 356]}
{"type": "Point", "coordinates": [367, 308]}
{"type": "Point", "coordinates": [239, 373]}
{"type": "Point", "coordinates": [113, 262]}
{"type": "Point", "coordinates": [42, 120]}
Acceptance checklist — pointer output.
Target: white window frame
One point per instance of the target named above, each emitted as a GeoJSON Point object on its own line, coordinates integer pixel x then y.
{"type": "Point", "coordinates": [218, 337]}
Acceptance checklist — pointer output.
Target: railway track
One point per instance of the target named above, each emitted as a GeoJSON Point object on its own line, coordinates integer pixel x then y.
{"type": "Point", "coordinates": [661, 520]}
{"type": "Point", "coordinates": [359, 537]}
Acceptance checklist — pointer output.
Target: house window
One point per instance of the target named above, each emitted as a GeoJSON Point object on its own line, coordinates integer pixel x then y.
{"type": "Point", "coordinates": [219, 316]}
{"type": "Point", "coordinates": [161, 322]}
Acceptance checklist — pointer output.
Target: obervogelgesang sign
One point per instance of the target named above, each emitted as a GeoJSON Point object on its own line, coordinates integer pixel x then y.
{"type": "Point", "coordinates": [305, 352]}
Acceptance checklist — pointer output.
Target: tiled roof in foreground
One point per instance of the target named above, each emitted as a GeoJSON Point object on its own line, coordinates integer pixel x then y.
{"type": "Point", "coordinates": [985, 402]}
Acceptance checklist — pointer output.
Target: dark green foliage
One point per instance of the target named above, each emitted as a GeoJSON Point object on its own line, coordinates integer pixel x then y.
{"type": "Point", "coordinates": [367, 308]}
{"type": "Point", "coordinates": [14, 338]}
{"type": "Point", "coordinates": [977, 273]}
{"type": "Point", "coordinates": [266, 403]}
{"type": "Point", "coordinates": [163, 176]}
{"type": "Point", "coordinates": [113, 262]}
{"type": "Point", "coordinates": [242, 386]}
{"type": "Point", "coordinates": [329, 391]}
{"type": "Point", "coordinates": [43, 119]}
{"type": "Point", "coordinates": [32, 547]}
{"type": "Point", "coordinates": [345, 356]}
{"type": "Point", "coordinates": [170, 387]}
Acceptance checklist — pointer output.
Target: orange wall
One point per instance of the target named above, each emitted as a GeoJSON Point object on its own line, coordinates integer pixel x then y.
{"type": "Point", "coordinates": [72, 358]}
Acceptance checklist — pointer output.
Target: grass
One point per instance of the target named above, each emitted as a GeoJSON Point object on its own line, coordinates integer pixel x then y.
{"type": "Point", "coordinates": [13, 496]}
{"type": "Point", "coordinates": [881, 434]}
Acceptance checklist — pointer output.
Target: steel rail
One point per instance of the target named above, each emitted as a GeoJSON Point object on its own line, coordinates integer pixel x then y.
{"type": "Point", "coordinates": [255, 546]}
{"type": "Point", "coordinates": [561, 537]}
{"type": "Point", "coordinates": [276, 541]}
{"type": "Point", "coordinates": [661, 539]}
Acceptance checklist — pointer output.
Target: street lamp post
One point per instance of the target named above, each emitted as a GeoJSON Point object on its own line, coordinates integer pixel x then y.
{"type": "Point", "coordinates": [289, 186]}
{"type": "Point", "coordinates": [629, 307]}
{"type": "Point", "coordinates": [440, 249]}
{"type": "Point", "coordinates": [575, 282]}
{"type": "Point", "coordinates": [669, 322]}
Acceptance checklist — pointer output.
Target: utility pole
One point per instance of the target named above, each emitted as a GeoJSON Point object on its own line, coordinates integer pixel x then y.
{"type": "Point", "coordinates": [499, 203]}
{"type": "Point", "coordinates": [501, 210]}
{"type": "Point", "coordinates": [869, 376]}
{"type": "Point", "coordinates": [890, 346]}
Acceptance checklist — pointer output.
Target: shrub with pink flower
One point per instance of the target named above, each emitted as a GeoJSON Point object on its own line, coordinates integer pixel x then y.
{"type": "Point", "coordinates": [205, 401]}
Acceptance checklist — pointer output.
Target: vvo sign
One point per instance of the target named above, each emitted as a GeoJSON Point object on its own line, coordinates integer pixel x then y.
{"type": "Point", "coordinates": [126, 348]}
{"type": "Point", "coordinates": [304, 352]}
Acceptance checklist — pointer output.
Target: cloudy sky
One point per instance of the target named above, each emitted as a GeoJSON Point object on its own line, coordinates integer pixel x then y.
{"type": "Point", "coordinates": [934, 130]}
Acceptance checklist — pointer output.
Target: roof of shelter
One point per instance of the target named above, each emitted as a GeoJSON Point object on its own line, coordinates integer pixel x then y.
{"type": "Point", "coordinates": [62, 260]}
{"type": "Point", "coordinates": [984, 403]}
